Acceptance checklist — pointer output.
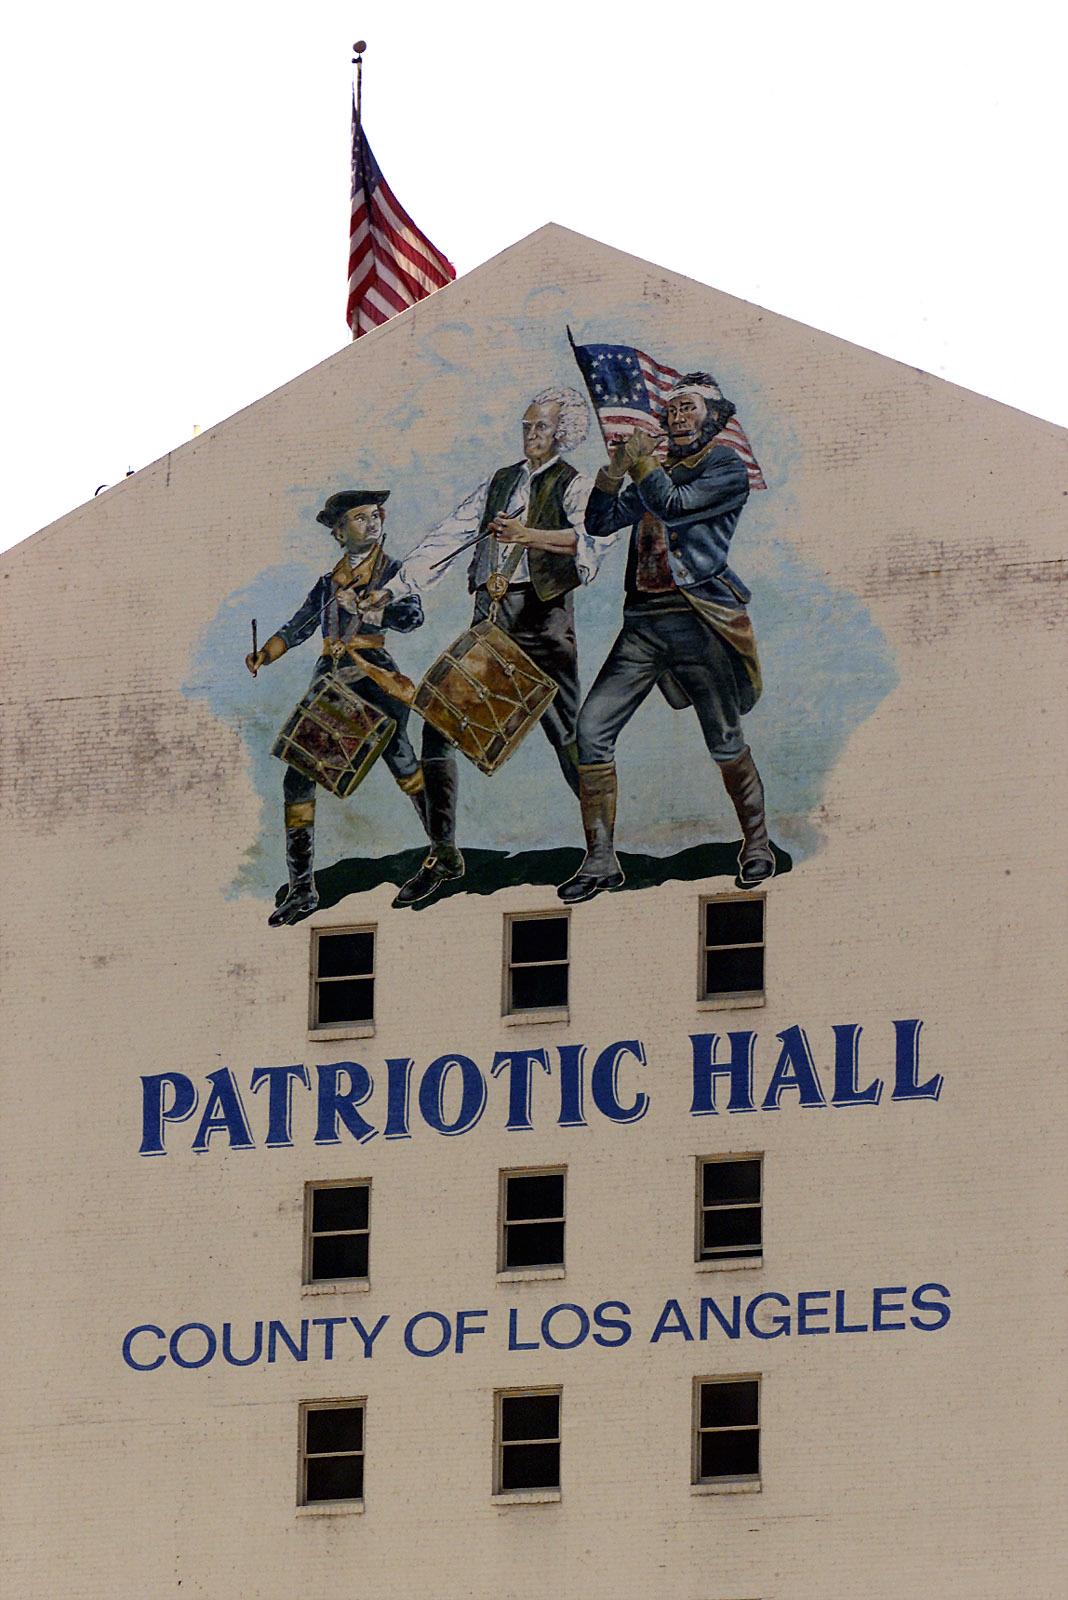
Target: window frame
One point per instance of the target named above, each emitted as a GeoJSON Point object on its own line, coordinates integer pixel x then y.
{"type": "Point", "coordinates": [726, 999]}
{"type": "Point", "coordinates": [733, 1482]}
{"type": "Point", "coordinates": [746, 1256]}
{"type": "Point", "coordinates": [547, 1492]}
{"type": "Point", "coordinates": [511, 1014]}
{"type": "Point", "coordinates": [340, 1030]}
{"type": "Point", "coordinates": [310, 1285]}
{"type": "Point", "coordinates": [554, 1269]}
{"type": "Point", "coordinates": [349, 1503]}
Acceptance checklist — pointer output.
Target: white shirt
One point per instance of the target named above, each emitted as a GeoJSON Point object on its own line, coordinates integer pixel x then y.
{"type": "Point", "coordinates": [419, 571]}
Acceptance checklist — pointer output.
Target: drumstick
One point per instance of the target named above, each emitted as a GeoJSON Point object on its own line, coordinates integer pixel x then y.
{"type": "Point", "coordinates": [254, 647]}
{"type": "Point", "coordinates": [520, 511]}
{"type": "Point", "coordinates": [460, 550]}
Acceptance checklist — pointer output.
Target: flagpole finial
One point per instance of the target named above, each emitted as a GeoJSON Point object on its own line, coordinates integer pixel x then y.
{"type": "Point", "coordinates": [357, 60]}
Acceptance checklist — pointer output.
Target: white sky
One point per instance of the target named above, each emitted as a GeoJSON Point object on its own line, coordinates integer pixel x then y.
{"type": "Point", "coordinates": [177, 206]}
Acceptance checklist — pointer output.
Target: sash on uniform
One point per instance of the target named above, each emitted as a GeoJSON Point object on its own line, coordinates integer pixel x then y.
{"type": "Point", "coordinates": [733, 626]}
{"type": "Point", "coordinates": [652, 569]}
{"type": "Point", "coordinates": [365, 575]}
{"type": "Point", "coordinates": [652, 575]}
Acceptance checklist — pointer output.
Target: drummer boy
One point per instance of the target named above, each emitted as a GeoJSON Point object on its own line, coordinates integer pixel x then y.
{"type": "Point", "coordinates": [353, 651]}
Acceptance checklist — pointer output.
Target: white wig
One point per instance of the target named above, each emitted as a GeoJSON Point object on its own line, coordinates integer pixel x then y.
{"type": "Point", "coordinates": [574, 422]}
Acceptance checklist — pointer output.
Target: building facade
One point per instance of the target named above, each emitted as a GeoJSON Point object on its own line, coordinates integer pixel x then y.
{"type": "Point", "coordinates": [694, 1239]}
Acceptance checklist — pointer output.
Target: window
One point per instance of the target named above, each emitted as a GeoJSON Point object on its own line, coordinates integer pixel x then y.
{"type": "Point", "coordinates": [337, 1231]}
{"type": "Point", "coordinates": [532, 1220]}
{"type": "Point", "coordinates": [732, 951]}
{"type": "Point", "coordinates": [535, 964]}
{"type": "Point", "coordinates": [331, 1451]}
{"type": "Point", "coordinates": [729, 1195]}
{"type": "Point", "coordinates": [726, 1428]}
{"type": "Point", "coordinates": [343, 979]}
{"type": "Point", "coordinates": [528, 1440]}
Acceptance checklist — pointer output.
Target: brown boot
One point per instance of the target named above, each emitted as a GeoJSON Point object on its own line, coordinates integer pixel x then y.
{"type": "Point", "coordinates": [756, 859]}
{"type": "Point", "coordinates": [600, 869]}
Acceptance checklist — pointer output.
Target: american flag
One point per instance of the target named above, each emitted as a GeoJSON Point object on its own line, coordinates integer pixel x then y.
{"type": "Point", "coordinates": [629, 390]}
{"type": "Point", "coordinates": [391, 264]}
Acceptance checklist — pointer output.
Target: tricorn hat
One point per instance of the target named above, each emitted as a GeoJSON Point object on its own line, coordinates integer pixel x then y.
{"type": "Point", "coordinates": [348, 500]}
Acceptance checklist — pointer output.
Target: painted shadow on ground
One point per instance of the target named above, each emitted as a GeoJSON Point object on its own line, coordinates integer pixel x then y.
{"type": "Point", "coordinates": [489, 871]}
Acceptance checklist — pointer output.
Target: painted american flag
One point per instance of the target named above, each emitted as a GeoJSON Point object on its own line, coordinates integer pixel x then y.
{"type": "Point", "coordinates": [391, 263]}
{"type": "Point", "coordinates": [629, 390]}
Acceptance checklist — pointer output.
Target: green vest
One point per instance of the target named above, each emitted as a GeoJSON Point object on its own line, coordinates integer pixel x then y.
{"type": "Point", "coordinates": [550, 574]}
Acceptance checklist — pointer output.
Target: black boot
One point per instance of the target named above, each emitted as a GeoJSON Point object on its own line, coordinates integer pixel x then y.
{"type": "Point", "coordinates": [756, 859]}
{"type": "Point", "coordinates": [444, 862]}
{"type": "Point", "coordinates": [302, 898]}
{"type": "Point", "coordinates": [600, 869]}
{"type": "Point", "coordinates": [415, 789]}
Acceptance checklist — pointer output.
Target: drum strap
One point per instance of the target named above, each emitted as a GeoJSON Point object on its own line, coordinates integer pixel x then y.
{"type": "Point", "coordinates": [501, 575]}
{"type": "Point", "coordinates": [394, 683]}
{"type": "Point", "coordinates": [512, 560]}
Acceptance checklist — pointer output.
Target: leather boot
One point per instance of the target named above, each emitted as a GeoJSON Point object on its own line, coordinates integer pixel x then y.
{"type": "Point", "coordinates": [419, 802]}
{"type": "Point", "coordinates": [756, 859]}
{"type": "Point", "coordinates": [415, 788]}
{"type": "Point", "coordinates": [444, 863]}
{"type": "Point", "coordinates": [600, 869]}
{"type": "Point", "coordinates": [567, 755]}
{"type": "Point", "coordinates": [302, 898]}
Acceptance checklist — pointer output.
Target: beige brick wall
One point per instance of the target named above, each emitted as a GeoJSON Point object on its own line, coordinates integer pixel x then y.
{"type": "Point", "coordinates": [898, 1464]}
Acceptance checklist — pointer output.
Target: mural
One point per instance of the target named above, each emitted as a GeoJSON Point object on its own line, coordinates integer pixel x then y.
{"type": "Point", "coordinates": [356, 708]}
{"type": "Point", "coordinates": [619, 560]}
{"type": "Point", "coordinates": [685, 625]}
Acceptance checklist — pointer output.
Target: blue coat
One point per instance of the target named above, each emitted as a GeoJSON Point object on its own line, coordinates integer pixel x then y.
{"type": "Point", "coordinates": [320, 610]}
{"type": "Point", "coordinates": [699, 500]}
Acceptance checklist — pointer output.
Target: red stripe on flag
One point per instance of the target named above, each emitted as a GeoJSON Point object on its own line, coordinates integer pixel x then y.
{"type": "Point", "coordinates": [415, 243]}
{"type": "Point", "coordinates": [392, 263]}
{"type": "Point", "coordinates": [398, 257]}
{"type": "Point", "coordinates": [402, 260]}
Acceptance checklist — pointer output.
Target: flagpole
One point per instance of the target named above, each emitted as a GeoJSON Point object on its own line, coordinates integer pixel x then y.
{"type": "Point", "coordinates": [357, 126]}
{"type": "Point", "coordinates": [392, 263]}
{"type": "Point", "coordinates": [357, 60]}
{"type": "Point", "coordinates": [589, 390]}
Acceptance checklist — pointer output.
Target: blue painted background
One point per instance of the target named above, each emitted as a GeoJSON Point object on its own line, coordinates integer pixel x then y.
{"type": "Point", "coordinates": [826, 664]}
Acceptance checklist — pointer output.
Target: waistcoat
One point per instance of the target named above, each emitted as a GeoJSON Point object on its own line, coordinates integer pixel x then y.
{"type": "Point", "coordinates": [550, 574]}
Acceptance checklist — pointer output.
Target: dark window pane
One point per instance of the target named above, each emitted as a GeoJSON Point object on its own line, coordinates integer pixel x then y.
{"type": "Point", "coordinates": [724, 1228]}
{"type": "Point", "coordinates": [731, 1180]}
{"type": "Point", "coordinates": [534, 1244]}
{"type": "Point", "coordinates": [728, 1404]}
{"type": "Point", "coordinates": [540, 939]}
{"type": "Point", "coordinates": [535, 1195]}
{"type": "Point", "coordinates": [335, 1478]}
{"type": "Point", "coordinates": [534, 987]}
{"type": "Point", "coordinates": [734, 922]}
{"type": "Point", "coordinates": [531, 1466]}
{"type": "Point", "coordinates": [351, 1000]}
{"type": "Point", "coordinates": [344, 955]}
{"type": "Point", "coordinates": [733, 971]}
{"type": "Point", "coordinates": [730, 1455]}
{"type": "Point", "coordinates": [339, 1256]}
{"type": "Point", "coordinates": [530, 1416]}
{"type": "Point", "coordinates": [336, 1428]}
{"type": "Point", "coordinates": [344, 1207]}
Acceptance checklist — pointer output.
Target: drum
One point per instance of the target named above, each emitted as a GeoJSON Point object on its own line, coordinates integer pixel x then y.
{"type": "Point", "coordinates": [484, 694]}
{"type": "Point", "coordinates": [334, 737]}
